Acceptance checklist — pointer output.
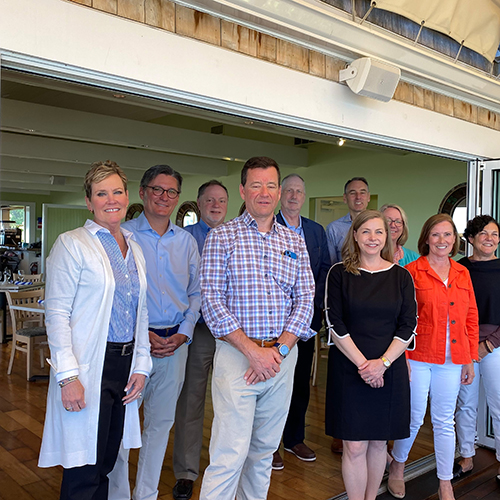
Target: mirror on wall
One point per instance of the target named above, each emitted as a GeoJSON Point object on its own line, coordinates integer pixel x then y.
{"type": "Point", "coordinates": [455, 204]}
{"type": "Point", "coordinates": [134, 211]}
{"type": "Point", "coordinates": [188, 214]}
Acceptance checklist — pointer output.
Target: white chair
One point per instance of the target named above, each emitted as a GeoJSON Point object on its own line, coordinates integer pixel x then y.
{"type": "Point", "coordinates": [26, 339]}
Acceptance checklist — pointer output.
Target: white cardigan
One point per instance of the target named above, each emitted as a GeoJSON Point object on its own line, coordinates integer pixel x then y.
{"type": "Point", "coordinates": [78, 300]}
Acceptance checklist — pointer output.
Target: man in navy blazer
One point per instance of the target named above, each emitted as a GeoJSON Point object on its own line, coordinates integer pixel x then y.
{"type": "Point", "coordinates": [293, 195]}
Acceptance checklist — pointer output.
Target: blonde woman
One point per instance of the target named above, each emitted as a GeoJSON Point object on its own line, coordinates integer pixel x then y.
{"type": "Point", "coordinates": [398, 226]}
{"type": "Point", "coordinates": [97, 326]}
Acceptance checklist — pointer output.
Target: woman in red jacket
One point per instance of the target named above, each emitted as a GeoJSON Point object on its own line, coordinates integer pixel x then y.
{"type": "Point", "coordinates": [446, 345]}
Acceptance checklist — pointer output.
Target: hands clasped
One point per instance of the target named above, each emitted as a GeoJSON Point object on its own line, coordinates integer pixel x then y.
{"type": "Point", "coordinates": [162, 347]}
{"type": "Point", "coordinates": [372, 372]}
{"type": "Point", "coordinates": [264, 364]}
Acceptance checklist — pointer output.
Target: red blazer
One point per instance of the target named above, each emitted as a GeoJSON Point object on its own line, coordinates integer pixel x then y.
{"type": "Point", "coordinates": [436, 302]}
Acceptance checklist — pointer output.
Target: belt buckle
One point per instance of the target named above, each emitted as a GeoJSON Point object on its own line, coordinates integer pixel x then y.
{"type": "Point", "coordinates": [124, 349]}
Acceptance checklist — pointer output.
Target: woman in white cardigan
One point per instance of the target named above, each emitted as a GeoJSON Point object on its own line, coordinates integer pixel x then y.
{"type": "Point", "coordinates": [97, 326]}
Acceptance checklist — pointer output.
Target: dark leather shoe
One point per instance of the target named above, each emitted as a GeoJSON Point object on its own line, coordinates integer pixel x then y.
{"type": "Point", "coordinates": [183, 489]}
{"type": "Point", "coordinates": [277, 461]}
{"type": "Point", "coordinates": [337, 445]}
{"type": "Point", "coordinates": [459, 472]}
{"type": "Point", "coordinates": [302, 452]}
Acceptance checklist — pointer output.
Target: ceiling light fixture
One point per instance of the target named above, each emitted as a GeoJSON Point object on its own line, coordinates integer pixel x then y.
{"type": "Point", "coordinates": [119, 96]}
{"type": "Point", "coordinates": [340, 141]}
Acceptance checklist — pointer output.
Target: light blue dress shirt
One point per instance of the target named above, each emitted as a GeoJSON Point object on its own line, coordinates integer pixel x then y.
{"type": "Point", "coordinates": [199, 231]}
{"type": "Point", "coordinates": [172, 262]}
{"type": "Point", "coordinates": [336, 232]}
{"type": "Point", "coordinates": [126, 296]}
{"type": "Point", "coordinates": [297, 229]}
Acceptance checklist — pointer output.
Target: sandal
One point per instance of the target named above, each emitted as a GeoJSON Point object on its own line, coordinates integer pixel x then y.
{"type": "Point", "coordinates": [396, 488]}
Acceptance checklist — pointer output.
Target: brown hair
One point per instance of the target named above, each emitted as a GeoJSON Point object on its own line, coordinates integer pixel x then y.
{"type": "Point", "coordinates": [259, 162]}
{"type": "Point", "coordinates": [351, 254]}
{"type": "Point", "coordinates": [404, 235]}
{"type": "Point", "coordinates": [99, 171]}
{"type": "Point", "coordinates": [423, 247]}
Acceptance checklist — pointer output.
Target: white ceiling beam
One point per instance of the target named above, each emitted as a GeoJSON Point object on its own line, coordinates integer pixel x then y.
{"type": "Point", "coordinates": [71, 152]}
{"type": "Point", "coordinates": [16, 187]}
{"type": "Point", "coordinates": [23, 166]}
{"type": "Point", "coordinates": [101, 129]}
{"type": "Point", "coordinates": [70, 183]}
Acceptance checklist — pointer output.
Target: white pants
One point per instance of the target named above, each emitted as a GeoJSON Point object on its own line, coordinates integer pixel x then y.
{"type": "Point", "coordinates": [247, 427]}
{"type": "Point", "coordinates": [160, 399]}
{"type": "Point", "coordinates": [488, 370]}
{"type": "Point", "coordinates": [441, 383]}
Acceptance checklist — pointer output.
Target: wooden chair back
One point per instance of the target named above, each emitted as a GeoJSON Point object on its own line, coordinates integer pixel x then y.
{"type": "Point", "coordinates": [28, 332]}
{"type": "Point", "coordinates": [28, 277]}
{"type": "Point", "coordinates": [30, 298]}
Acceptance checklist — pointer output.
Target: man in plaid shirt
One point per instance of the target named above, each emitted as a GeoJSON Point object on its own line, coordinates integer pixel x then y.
{"type": "Point", "coordinates": [257, 300]}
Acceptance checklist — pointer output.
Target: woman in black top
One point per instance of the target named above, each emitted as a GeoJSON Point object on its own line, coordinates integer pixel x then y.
{"type": "Point", "coordinates": [371, 315]}
{"type": "Point", "coordinates": [482, 233]}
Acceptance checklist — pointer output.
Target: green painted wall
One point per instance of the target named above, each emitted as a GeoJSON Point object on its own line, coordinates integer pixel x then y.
{"type": "Point", "coordinates": [415, 181]}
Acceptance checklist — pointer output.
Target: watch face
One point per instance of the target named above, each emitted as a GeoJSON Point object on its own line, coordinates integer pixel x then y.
{"type": "Point", "coordinates": [283, 349]}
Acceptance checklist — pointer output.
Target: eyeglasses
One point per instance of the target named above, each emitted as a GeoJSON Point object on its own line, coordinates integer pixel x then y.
{"type": "Point", "coordinates": [158, 191]}
{"type": "Point", "coordinates": [396, 222]}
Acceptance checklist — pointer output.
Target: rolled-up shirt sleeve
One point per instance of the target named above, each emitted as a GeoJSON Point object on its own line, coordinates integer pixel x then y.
{"type": "Point", "coordinates": [192, 313]}
{"type": "Point", "coordinates": [214, 283]}
{"type": "Point", "coordinates": [407, 319]}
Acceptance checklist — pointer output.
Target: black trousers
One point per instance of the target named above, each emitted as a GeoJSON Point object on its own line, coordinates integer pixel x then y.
{"type": "Point", "coordinates": [90, 482]}
{"type": "Point", "coordinates": [294, 432]}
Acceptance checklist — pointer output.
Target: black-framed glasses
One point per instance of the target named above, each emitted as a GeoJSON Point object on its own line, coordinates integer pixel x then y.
{"type": "Point", "coordinates": [396, 222]}
{"type": "Point", "coordinates": [158, 191]}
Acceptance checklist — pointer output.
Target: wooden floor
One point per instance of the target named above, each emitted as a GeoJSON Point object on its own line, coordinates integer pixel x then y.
{"type": "Point", "coordinates": [480, 484]}
{"type": "Point", "coordinates": [22, 412]}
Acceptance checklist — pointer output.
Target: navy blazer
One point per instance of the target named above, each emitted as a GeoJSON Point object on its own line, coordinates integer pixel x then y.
{"type": "Point", "coordinates": [317, 247]}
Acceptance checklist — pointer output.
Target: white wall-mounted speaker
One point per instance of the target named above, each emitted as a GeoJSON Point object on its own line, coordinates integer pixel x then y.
{"type": "Point", "coordinates": [371, 78]}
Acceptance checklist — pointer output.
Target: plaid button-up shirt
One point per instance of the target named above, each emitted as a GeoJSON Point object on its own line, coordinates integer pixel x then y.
{"type": "Point", "coordinates": [262, 284]}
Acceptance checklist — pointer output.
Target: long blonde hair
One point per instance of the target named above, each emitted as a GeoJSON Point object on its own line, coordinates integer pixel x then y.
{"type": "Point", "coordinates": [351, 254]}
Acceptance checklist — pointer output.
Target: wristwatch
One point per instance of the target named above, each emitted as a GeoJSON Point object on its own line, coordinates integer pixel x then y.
{"type": "Point", "coordinates": [282, 349]}
{"type": "Point", "coordinates": [386, 362]}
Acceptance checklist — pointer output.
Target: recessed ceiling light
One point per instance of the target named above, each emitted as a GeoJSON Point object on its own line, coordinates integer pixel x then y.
{"type": "Point", "coordinates": [248, 122]}
{"type": "Point", "coordinates": [341, 141]}
{"type": "Point", "coordinates": [119, 96]}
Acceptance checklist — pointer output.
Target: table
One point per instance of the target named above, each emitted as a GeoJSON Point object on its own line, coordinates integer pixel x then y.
{"type": "Point", "coordinates": [10, 287]}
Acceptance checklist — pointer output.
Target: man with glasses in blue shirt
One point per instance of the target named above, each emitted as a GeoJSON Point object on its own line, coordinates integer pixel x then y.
{"type": "Point", "coordinates": [172, 261]}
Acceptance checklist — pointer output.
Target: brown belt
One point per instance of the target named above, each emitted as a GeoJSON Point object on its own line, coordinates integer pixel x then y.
{"type": "Point", "coordinates": [259, 342]}
{"type": "Point", "coordinates": [264, 343]}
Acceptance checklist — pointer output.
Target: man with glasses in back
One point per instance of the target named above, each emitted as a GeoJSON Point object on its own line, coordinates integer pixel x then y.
{"type": "Point", "coordinates": [172, 261]}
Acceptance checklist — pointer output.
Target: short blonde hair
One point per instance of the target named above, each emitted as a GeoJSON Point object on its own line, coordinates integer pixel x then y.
{"type": "Point", "coordinates": [351, 254]}
{"type": "Point", "coordinates": [99, 171]}
{"type": "Point", "coordinates": [404, 235]}
{"type": "Point", "coordinates": [423, 247]}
